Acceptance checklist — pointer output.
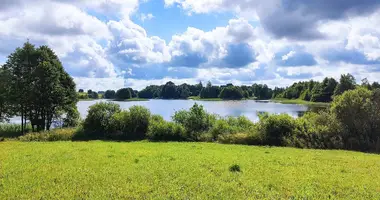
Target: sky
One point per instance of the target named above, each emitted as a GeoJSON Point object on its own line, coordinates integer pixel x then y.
{"type": "Point", "coordinates": [110, 44]}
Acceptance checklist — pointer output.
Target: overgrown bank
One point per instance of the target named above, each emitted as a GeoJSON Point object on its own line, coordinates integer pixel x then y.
{"type": "Point", "coordinates": [352, 122]}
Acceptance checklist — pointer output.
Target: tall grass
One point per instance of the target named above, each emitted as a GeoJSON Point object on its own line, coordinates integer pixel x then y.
{"type": "Point", "coordinates": [12, 130]}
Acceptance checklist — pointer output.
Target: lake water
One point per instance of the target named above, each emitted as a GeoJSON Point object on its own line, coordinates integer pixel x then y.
{"type": "Point", "coordinates": [248, 108]}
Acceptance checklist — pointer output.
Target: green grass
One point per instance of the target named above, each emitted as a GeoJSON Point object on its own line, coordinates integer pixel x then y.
{"type": "Point", "coordinates": [299, 101]}
{"type": "Point", "coordinates": [143, 170]}
{"type": "Point", "coordinates": [132, 99]}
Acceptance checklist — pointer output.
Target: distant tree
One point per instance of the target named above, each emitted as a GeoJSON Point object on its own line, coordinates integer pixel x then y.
{"type": "Point", "coordinates": [183, 91]}
{"type": "Point", "coordinates": [231, 92]}
{"type": "Point", "coordinates": [210, 91]}
{"type": "Point", "coordinates": [366, 84]}
{"type": "Point", "coordinates": [324, 91]}
{"type": "Point", "coordinates": [94, 95]}
{"type": "Point", "coordinates": [109, 94]}
{"type": "Point", "coordinates": [89, 92]}
{"type": "Point", "coordinates": [375, 85]}
{"type": "Point", "coordinates": [123, 94]}
{"type": "Point", "coordinates": [346, 82]}
{"type": "Point", "coordinates": [150, 92]}
{"type": "Point", "coordinates": [169, 91]}
{"type": "Point", "coordinates": [81, 90]}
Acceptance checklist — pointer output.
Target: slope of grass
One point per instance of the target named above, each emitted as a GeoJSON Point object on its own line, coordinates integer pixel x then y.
{"type": "Point", "coordinates": [299, 101]}
{"type": "Point", "coordinates": [142, 170]}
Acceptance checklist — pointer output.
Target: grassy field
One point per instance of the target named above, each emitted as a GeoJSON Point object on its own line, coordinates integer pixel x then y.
{"type": "Point", "coordinates": [299, 101]}
{"type": "Point", "coordinates": [143, 170]}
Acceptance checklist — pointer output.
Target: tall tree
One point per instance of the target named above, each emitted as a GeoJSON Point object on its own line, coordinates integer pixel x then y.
{"type": "Point", "coordinates": [41, 89]}
{"type": "Point", "coordinates": [5, 107]}
{"type": "Point", "coordinates": [346, 82]}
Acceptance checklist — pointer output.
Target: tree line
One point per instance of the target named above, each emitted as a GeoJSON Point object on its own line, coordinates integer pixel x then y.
{"type": "Point", "coordinates": [311, 90]}
{"type": "Point", "coordinates": [35, 86]}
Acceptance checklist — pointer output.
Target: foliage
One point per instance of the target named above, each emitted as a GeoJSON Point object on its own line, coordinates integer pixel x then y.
{"type": "Point", "coordinates": [346, 82]}
{"type": "Point", "coordinates": [276, 128]}
{"type": "Point", "coordinates": [231, 92]}
{"type": "Point", "coordinates": [110, 94]}
{"type": "Point", "coordinates": [41, 88]}
{"type": "Point", "coordinates": [324, 91]}
{"type": "Point", "coordinates": [124, 93]}
{"type": "Point", "coordinates": [161, 130]}
{"type": "Point", "coordinates": [131, 124]}
{"type": "Point", "coordinates": [72, 118]}
{"type": "Point", "coordinates": [210, 91]}
{"type": "Point", "coordinates": [358, 111]}
{"type": "Point", "coordinates": [195, 121]}
{"type": "Point", "coordinates": [169, 91]}
{"type": "Point", "coordinates": [99, 121]}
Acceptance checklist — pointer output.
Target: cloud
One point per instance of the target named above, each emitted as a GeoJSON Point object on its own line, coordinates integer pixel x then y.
{"type": "Point", "coordinates": [131, 45]}
{"type": "Point", "coordinates": [292, 19]}
{"type": "Point", "coordinates": [144, 17]}
{"type": "Point", "coordinates": [239, 55]}
{"type": "Point", "coordinates": [347, 56]}
{"type": "Point", "coordinates": [294, 57]}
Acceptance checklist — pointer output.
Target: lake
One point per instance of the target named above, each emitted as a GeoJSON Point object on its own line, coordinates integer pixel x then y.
{"type": "Point", "coordinates": [248, 108]}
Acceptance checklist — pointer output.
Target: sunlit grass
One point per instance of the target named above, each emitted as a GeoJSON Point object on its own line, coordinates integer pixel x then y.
{"type": "Point", "coordinates": [142, 170]}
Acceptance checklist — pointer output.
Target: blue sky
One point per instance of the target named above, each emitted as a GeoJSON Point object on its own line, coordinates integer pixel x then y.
{"type": "Point", "coordinates": [109, 44]}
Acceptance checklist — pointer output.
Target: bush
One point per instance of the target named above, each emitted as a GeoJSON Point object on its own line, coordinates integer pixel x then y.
{"type": "Point", "coordinates": [276, 128]}
{"type": "Point", "coordinates": [196, 121]}
{"type": "Point", "coordinates": [358, 112]}
{"type": "Point", "coordinates": [131, 124]}
{"type": "Point", "coordinates": [231, 125]}
{"type": "Point", "coordinates": [160, 130]}
{"type": "Point", "coordinates": [48, 136]}
{"type": "Point", "coordinates": [98, 123]}
{"type": "Point", "coordinates": [13, 130]}
{"type": "Point", "coordinates": [240, 138]}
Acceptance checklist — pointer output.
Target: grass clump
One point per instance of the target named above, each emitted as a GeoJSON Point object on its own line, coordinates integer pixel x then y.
{"type": "Point", "coordinates": [234, 168]}
{"type": "Point", "coordinates": [66, 134]}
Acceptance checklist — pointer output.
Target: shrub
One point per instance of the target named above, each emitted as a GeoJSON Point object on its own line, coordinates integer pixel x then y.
{"type": "Point", "coordinates": [72, 118]}
{"type": "Point", "coordinates": [275, 128]}
{"type": "Point", "coordinates": [99, 123]}
{"type": "Point", "coordinates": [161, 130]}
{"type": "Point", "coordinates": [240, 138]}
{"type": "Point", "coordinates": [131, 124]}
{"type": "Point", "coordinates": [358, 112]}
{"type": "Point", "coordinates": [48, 136]}
{"type": "Point", "coordinates": [195, 121]}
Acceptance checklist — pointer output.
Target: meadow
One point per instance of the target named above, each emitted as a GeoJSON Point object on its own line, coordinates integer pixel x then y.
{"type": "Point", "coordinates": [147, 170]}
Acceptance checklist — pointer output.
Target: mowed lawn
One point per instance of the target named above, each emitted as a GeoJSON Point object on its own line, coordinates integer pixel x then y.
{"type": "Point", "coordinates": [144, 170]}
